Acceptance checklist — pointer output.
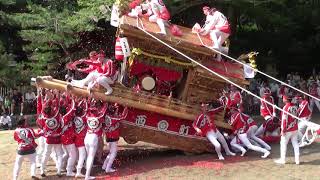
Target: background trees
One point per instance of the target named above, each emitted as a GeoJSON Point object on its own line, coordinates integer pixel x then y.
{"type": "Point", "coordinates": [42, 36]}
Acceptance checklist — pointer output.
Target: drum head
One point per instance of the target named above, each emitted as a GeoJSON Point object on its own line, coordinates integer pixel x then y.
{"type": "Point", "coordinates": [148, 83]}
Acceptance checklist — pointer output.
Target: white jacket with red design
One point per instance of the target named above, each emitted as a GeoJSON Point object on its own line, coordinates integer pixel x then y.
{"type": "Point", "coordinates": [159, 9]}
{"type": "Point", "coordinates": [26, 140]}
{"type": "Point", "coordinates": [216, 21]}
{"type": "Point", "coordinates": [205, 121]}
{"type": "Point", "coordinates": [304, 110]}
{"type": "Point", "coordinates": [68, 128]}
{"type": "Point", "coordinates": [95, 120]}
{"type": "Point", "coordinates": [235, 98]}
{"type": "Point", "coordinates": [266, 109]}
{"type": "Point", "coordinates": [239, 123]}
{"type": "Point", "coordinates": [289, 123]}
{"type": "Point", "coordinates": [112, 124]}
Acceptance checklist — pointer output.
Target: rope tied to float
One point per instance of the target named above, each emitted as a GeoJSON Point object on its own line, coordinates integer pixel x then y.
{"type": "Point", "coordinates": [256, 70]}
{"type": "Point", "coordinates": [314, 128]}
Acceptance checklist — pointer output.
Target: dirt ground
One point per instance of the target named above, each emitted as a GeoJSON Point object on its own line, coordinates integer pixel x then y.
{"type": "Point", "coordinates": [147, 161]}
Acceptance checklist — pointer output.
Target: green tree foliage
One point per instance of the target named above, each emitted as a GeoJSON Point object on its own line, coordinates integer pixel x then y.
{"type": "Point", "coordinates": [51, 28]}
{"type": "Point", "coordinates": [286, 33]}
{"type": "Point", "coordinates": [10, 72]}
{"type": "Point", "coordinates": [43, 35]}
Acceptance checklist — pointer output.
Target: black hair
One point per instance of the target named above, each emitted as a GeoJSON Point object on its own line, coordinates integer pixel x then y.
{"type": "Point", "coordinates": [78, 111]}
{"type": "Point", "coordinates": [63, 110]}
{"type": "Point", "coordinates": [47, 110]}
{"type": "Point", "coordinates": [21, 122]}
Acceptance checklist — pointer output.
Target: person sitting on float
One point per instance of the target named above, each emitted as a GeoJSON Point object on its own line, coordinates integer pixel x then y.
{"type": "Point", "coordinates": [156, 11]}
{"type": "Point", "coordinates": [105, 75]}
{"type": "Point", "coordinates": [217, 26]}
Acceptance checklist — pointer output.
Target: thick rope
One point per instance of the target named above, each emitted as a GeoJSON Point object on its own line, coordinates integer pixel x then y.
{"type": "Point", "coordinates": [256, 70]}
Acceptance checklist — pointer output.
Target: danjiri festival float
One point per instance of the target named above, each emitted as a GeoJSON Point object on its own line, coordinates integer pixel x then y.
{"type": "Point", "coordinates": [166, 84]}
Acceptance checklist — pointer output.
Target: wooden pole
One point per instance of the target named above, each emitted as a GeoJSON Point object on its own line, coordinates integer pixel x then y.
{"type": "Point", "coordinates": [63, 86]}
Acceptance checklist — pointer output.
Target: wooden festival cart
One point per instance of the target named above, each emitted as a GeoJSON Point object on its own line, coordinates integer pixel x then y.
{"type": "Point", "coordinates": [159, 115]}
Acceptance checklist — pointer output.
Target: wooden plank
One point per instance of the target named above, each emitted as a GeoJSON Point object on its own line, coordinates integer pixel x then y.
{"type": "Point", "coordinates": [188, 41]}
{"type": "Point", "coordinates": [140, 103]}
{"type": "Point", "coordinates": [187, 86]}
{"type": "Point", "coordinates": [132, 134]}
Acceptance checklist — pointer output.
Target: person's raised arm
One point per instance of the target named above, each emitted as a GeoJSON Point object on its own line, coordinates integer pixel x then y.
{"type": "Point", "coordinates": [68, 116]}
{"type": "Point", "coordinates": [87, 69]}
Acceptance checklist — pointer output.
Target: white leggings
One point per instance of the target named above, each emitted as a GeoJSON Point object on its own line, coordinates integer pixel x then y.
{"type": "Point", "coordinates": [91, 145]}
{"type": "Point", "coordinates": [71, 155]}
{"type": "Point", "coordinates": [293, 136]}
{"type": "Point", "coordinates": [113, 149]}
{"type": "Point", "coordinates": [215, 138]}
{"type": "Point", "coordinates": [302, 130]}
{"type": "Point", "coordinates": [105, 82]}
{"type": "Point", "coordinates": [218, 37]}
{"type": "Point", "coordinates": [251, 135]}
{"type": "Point", "coordinates": [47, 151]}
{"type": "Point", "coordinates": [82, 157]}
{"type": "Point", "coordinates": [18, 163]}
{"type": "Point", "coordinates": [244, 139]}
{"type": "Point", "coordinates": [91, 77]}
{"type": "Point", "coordinates": [40, 149]}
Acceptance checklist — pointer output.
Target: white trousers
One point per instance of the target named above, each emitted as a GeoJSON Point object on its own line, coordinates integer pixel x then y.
{"type": "Point", "coordinates": [82, 157]}
{"type": "Point", "coordinates": [70, 154]}
{"type": "Point", "coordinates": [215, 138]}
{"type": "Point", "coordinates": [113, 149]}
{"type": "Point", "coordinates": [251, 135]}
{"type": "Point", "coordinates": [105, 82]}
{"type": "Point", "coordinates": [40, 149]}
{"type": "Point", "coordinates": [293, 136]}
{"type": "Point", "coordinates": [47, 151]}
{"type": "Point", "coordinates": [312, 102]}
{"type": "Point", "coordinates": [261, 129]}
{"type": "Point", "coordinates": [302, 126]}
{"type": "Point", "coordinates": [91, 145]}
{"type": "Point", "coordinates": [160, 22]}
{"type": "Point", "coordinates": [218, 37]}
{"type": "Point", "coordinates": [244, 139]}
{"type": "Point", "coordinates": [89, 80]}
{"type": "Point", "coordinates": [18, 163]}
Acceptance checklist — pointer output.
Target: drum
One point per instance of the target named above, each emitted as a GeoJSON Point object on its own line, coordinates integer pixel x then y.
{"type": "Point", "coordinates": [148, 83]}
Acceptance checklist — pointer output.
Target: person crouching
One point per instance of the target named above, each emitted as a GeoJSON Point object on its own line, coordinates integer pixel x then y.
{"type": "Point", "coordinates": [206, 127]}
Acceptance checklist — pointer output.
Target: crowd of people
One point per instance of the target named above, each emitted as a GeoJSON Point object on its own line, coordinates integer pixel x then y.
{"type": "Point", "coordinates": [16, 103]}
{"type": "Point", "coordinates": [257, 86]}
{"type": "Point", "coordinates": [281, 125]}
{"type": "Point", "coordinates": [68, 126]}
{"type": "Point", "coordinates": [71, 125]}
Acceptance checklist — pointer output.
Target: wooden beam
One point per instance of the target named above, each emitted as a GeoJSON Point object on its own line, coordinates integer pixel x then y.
{"type": "Point", "coordinates": [56, 84]}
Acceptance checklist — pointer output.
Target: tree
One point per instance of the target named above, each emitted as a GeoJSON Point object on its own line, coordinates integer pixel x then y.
{"type": "Point", "coordinates": [51, 28]}
{"type": "Point", "coordinates": [44, 35]}
{"type": "Point", "coordinates": [286, 33]}
{"type": "Point", "coordinates": [10, 72]}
